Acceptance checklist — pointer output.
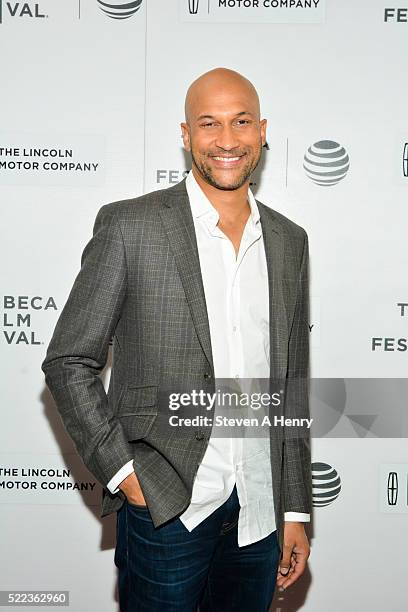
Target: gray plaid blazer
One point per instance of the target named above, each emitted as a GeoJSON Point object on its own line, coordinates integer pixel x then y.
{"type": "Point", "coordinates": [140, 286]}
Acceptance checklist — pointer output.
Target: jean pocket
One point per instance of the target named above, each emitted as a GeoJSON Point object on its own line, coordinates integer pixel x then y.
{"type": "Point", "coordinates": [142, 506]}
{"type": "Point", "coordinates": [139, 512]}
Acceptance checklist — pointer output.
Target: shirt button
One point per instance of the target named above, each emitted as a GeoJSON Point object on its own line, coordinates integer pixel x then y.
{"type": "Point", "coordinates": [199, 435]}
{"type": "Point", "coordinates": [234, 328]}
{"type": "Point", "coordinates": [236, 375]}
{"type": "Point", "coordinates": [207, 375]}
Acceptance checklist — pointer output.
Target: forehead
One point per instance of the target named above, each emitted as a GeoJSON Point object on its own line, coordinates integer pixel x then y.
{"type": "Point", "coordinates": [223, 102]}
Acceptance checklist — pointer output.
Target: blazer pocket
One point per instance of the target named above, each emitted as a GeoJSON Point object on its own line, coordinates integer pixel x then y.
{"type": "Point", "coordinates": [137, 411]}
{"type": "Point", "coordinates": [138, 400]}
{"type": "Point", "coordinates": [137, 426]}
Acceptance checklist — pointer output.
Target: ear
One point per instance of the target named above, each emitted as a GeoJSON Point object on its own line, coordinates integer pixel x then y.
{"type": "Point", "coordinates": [263, 124]}
{"type": "Point", "coordinates": [185, 132]}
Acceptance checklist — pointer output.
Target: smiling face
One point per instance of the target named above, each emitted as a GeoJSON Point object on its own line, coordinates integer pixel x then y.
{"type": "Point", "coordinates": [223, 130]}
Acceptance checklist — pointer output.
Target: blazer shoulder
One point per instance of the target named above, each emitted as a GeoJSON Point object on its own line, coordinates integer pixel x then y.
{"type": "Point", "coordinates": [144, 207]}
{"type": "Point", "coordinates": [139, 205]}
{"type": "Point", "coordinates": [288, 226]}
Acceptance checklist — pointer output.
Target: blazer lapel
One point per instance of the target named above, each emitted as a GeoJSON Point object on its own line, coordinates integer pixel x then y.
{"type": "Point", "coordinates": [179, 225]}
{"type": "Point", "coordinates": [278, 327]}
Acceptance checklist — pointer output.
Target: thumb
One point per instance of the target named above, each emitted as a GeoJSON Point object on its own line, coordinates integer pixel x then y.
{"type": "Point", "coordinates": [284, 564]}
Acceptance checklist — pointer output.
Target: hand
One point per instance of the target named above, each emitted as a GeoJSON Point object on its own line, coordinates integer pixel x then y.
{"type": "Point", "coordinates": [296, 551]}
{"type": "Point", "coordinates": [131, 488]}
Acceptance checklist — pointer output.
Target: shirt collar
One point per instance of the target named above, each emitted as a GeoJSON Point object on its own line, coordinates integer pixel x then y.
{"type": "Point", "coordinates": [201, 205]}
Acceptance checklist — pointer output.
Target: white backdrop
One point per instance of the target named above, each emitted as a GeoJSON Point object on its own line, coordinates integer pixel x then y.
{"type": "Point", "coordinates": [90, 112]}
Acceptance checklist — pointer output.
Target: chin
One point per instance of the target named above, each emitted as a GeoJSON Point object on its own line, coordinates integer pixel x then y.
{"type": "Point", "coordinates": [228, 186]}
{"type": "Point", "coordinates": [231, 183]}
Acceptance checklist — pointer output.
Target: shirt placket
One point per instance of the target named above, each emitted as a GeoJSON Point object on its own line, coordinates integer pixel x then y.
{"type": "Point", "coordinates": [250, 236]}
{"type": "Point", "coordinates": [236, 343]}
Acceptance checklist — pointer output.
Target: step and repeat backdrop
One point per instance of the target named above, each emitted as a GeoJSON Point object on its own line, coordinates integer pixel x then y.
{"type": "Point", "coordinates": [91, 101]}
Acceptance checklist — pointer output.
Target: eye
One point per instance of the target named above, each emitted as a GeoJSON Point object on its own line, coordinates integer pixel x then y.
{"type": "Point", "coordinates": [243, 121]}
{"type": "Point", "coordinates": [209, 124]}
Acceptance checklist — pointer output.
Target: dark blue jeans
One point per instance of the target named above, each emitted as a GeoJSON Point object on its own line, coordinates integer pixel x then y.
{"type": "Point", "coordinates": [170, 569]}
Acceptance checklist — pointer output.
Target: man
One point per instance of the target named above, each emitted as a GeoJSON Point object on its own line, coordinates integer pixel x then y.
{"type": "Point", "coordinates": [194, 283]}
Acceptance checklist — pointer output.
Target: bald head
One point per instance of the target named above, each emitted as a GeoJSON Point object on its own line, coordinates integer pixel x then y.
{"type": "Point", "coordinates": [219, 84]}
{"type": "Point", "coordinates": [223, 130]}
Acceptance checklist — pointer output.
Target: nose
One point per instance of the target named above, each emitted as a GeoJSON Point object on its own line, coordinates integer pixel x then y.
{"type": "Point", "coordinates": [226, 138]}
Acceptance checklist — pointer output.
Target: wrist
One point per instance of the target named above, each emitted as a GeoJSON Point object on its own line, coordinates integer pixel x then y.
{"type": "Point", "coordinates": [128, 482]}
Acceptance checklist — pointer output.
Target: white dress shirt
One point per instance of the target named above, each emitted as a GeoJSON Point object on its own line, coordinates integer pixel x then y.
{"type": "Point", "coordinates": [236, 293]}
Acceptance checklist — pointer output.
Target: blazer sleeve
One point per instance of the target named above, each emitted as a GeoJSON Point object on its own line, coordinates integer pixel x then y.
{"type": "Point", "coordinates": [297, 479]}
{"type": "Point", "coordinates": [78, 351]}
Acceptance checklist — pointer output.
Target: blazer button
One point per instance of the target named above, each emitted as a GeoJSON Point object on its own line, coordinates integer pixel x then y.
{"type": "Point", "coordinates": [207, 375]}
{"type": "Point", "coordinates": [199, 435]}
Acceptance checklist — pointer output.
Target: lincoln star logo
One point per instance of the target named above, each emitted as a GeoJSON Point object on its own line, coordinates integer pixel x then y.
{"type": "Point", "coordinates": [392, 488]}
{"type": "Point", "coordinates": [193, 6]}
{"type": "Point", "coordinates": [405, 160]}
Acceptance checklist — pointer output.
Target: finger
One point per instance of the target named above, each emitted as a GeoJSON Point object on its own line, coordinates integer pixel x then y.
{"type": "Point", "coordinates": [291, 569]}
{"type": "Point", "coordinates": [284, 564]}
{"type": "Point", "coordinates": [298, 570]}
{"type": "Point", "coordinates": [281, 579]}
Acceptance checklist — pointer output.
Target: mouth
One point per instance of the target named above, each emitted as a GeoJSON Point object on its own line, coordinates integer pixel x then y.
{"type": "Point", "coordinates": [223, 161]}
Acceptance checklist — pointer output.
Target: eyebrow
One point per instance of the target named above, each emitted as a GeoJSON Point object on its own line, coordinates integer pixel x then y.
{"type": "Point", "coordinates": [212, 117]}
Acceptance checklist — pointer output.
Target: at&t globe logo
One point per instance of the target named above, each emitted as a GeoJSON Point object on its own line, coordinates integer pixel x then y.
{"type": "Point", "coordinates": [119, 9]}
{"type": "Point", "coordinates": [325, 484]}
{"type": "Point", "coordinates": [326, 162]}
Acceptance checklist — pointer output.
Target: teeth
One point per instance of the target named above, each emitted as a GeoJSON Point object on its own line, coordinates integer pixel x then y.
{"type": "Point", "coordinates": [226, 159]}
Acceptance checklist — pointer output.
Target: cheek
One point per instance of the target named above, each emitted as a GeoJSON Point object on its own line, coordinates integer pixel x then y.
{"type": "Point", "coordinates": [203, 142]}
{"type": "Point", "coordinates": [202, 145]}
{"type": "Point", "coordinates": [254, 141]}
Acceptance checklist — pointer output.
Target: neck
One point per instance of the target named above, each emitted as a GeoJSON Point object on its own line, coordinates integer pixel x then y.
{"type": "Point", "coordinates": [229, 203]}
